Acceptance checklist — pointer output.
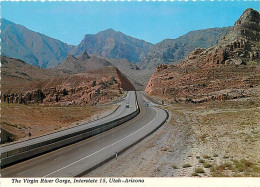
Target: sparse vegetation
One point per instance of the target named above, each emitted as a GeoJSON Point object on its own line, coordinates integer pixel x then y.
{"type": "Point", "coordinates": [40, 119]}
{"type": "Point", "coordinates": [201, 161]}
{"type": "Point", "coordinates": [203, 138]}
{"type": "Point", "coordinates": [207, 165]}
{"type": "Point", "coordinates": [174, 166]}
{"type": "Point", "coordinates": [164, 149]}
{"type": "Point", "coordinates": [186, 165]}
{"type": "Point", "coordinates": [238, 168]}
{"type": "Point", "coordinates": [206, 157]}
{"type": "Point", "coordinates": [194, 174]}
{"type": "Point", "coordinates": [199, 170]}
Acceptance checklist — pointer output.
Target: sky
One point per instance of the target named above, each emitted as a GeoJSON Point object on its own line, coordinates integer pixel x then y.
{"type": "Point", "coordinates": [150, 21]}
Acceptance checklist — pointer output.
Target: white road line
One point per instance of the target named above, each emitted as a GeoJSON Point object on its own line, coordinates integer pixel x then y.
{"type": "Point", "coordinates": [57, 158]}
{"type": "Point", "coordinates": [103, 147]}
{"type": "Point", "coordinates": [26, 170]}
{"type": "Point", "coordinates": [38, 139]}
{"type": "Point", "coordinates": [82, 148]}
{"type": "Point", "coordinates": [123, 107]}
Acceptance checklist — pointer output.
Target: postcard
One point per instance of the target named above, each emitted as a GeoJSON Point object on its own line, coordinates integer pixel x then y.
{"type": "Point", "coordinates": [130, 93]}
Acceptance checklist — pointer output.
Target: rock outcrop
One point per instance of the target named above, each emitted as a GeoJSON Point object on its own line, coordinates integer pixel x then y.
{"type": "Point", "coordinates": [82, 63]}
{"type": "Point", "coordinates": [171, 51]}
{"type": "Point", "coordinates": [221, 72]}
{"type": "Point", "coordinates": [114, 45]}
{"type": "Point", "coordinates": [26, 84]}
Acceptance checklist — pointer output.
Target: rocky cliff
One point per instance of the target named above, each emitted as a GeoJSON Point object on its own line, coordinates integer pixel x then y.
{"type": "Point", "coordinates": [91, 87]}
{"type": "Point", "coordinates": [82, 63]}
{"type": "Point", "coordinates": [32, 47]}
{"type": "Point", "coordinates": [170, 51]}
{"type": "Point", "coordinates": [225, 71]}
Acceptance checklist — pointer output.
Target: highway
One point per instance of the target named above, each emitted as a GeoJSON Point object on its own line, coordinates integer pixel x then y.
{"type": "Point", "coordinates": [77, 159]}
{"type": "Point", "coordinates": [39, 141]}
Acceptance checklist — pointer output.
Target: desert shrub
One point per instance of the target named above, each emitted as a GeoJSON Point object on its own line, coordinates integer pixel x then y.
{"type": "Point", "coordinates": [194, 174]}
{"type": "Point", "coordinates": [207, 165]}
{"type": "Point", "coordinates": [212, 169]}
{"type": "Point", "coordinates": [201, 161]}
{"type": "Point", "coordinates": [206, 156]}
{"type": "Point", "coordinates": [186, 165]}
{"type": "Point", "coordinates": [174, 166]}
{"type": "Point", "coordinates": [199, 170]}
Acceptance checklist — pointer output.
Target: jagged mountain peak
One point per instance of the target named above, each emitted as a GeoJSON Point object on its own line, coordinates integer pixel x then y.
{"type": "Point", "coordinates": [5, 22]}
{"type": "Point", "coordinates": [246, 28]}
{"type": "Point", "coordinates": [110, 30]}
{"type": "Point", "coordinates": [249, 15]}
{"type": "Point", "coordinates": [84, 56]}
{"type": "Point", "coordinates": [114, 44]}
{"type": "Point", "coordinates": [70, 57]}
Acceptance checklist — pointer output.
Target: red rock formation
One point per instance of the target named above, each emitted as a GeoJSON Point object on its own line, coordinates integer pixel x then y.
{"type": "Point", "coordinates": [221, 72]}
{"type": "Point", "coordinates": [98, 86]}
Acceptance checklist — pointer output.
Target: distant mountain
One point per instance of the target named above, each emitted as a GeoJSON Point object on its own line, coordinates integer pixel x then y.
{"type": "Point", "coordinates": [139, 78]}
{"type": "Point", "coordinates": [82, 63]}
{"type": "Point", "coordinates": [114, 45]}
{"type": "Point", "coordinates": [246, 28]}
{"type": "Point", "coordinates": [227, 70]}
{"type": "Point", "coordinates": [32, 47]}
{"type": "Point", "coordinates": [16, 75]}
{"type": "Point", "coordinates": [42, 51]}
{"type": "Point", "coordinates": [174, 50]}
{"type": "Point", "coordinates": [24, 84]}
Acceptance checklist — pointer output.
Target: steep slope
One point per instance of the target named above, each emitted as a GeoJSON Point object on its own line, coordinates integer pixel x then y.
{"type": "Point", "coordinates": [174, 50]}
{"type": "Point", "coordinates": [139, 78]}
{"type": "Point", "coordinates": [25, 84]}
{"type": "Point", "coordinates": [228, 70]}
{"type": "Point", "coordinates": [34, 48]}
{"type": "Point", "coordinates": [71, 65]}
{"type": "Point", "coordinates": [115, 45]}
{"type": "Point", "coordinates": [82, 63]}
{"type": "Point", "coordinates": [16, 75]}
{"type": "Point", "coordinates": [43, 51]}
{"type": "Point", "coordinates": [246, 28]}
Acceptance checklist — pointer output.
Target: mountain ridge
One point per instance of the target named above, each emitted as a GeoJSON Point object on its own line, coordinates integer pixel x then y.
{"type": "Point", "coordinates": [228, 70]}
{"type": "Point", "coordinates": [34, 48]}
{"type": "Point", "coordinates": [114, 44]}
{"type": "Point", "coordinates": [46, 52]}
{"type": "Point", "coordinates": [171, 51]}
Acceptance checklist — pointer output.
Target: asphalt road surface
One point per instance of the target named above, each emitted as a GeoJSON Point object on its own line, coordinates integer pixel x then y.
{"type": "Point", "coordinates": [120, 112]}
{"type": "Point", "coordinates": [77, 158]}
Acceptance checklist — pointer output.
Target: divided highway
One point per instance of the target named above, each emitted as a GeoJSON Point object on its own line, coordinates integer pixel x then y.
{"type": "Point", "coordinates": [81, 157]}
{"type": "Point", "coordinates": [17, 151]}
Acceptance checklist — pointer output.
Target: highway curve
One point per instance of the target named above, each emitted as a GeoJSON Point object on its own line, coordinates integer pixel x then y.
{"type": "Point", "coordinates": [14, 152]}
{"type": "Point", "coordinates": [79, 158]}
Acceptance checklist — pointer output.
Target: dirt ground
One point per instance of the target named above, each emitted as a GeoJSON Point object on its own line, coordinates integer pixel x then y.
{"type": "Point", "coordinates": [212, 139]}
{"type": "Point", "coordinates": [19, 119]}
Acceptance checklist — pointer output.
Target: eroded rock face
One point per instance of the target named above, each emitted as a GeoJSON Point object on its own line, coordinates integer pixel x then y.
{"type": "Point", "coordinates": [221, 72]}
{"type": "Point", "coordinates": [77, 90]}
{"type": "Point", "coordinates": [35, 96]}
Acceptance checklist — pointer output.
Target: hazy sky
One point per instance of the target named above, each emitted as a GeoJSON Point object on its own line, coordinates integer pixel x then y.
{"type": "Point", "coordinates": [151, 21]}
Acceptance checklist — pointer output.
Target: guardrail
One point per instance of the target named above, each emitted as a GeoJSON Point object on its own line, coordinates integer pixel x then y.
{"type": "Point", "coordinates": [126, 148]}
{"type": "Point", "coordinates": [24, 153]}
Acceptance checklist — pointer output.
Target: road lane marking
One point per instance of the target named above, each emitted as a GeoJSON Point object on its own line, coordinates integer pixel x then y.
{"type": "Point", "coordinates": [104, 147]}
{"type": "Point", "coordinates": [127, 100]}
{"type": "Point", "coordinates": [82, 148]}
{"type": "Point", "coordinates": [26, 170]}
{"type": "Point", "coordinates": [58, 158]}
{"type": "Point", "coordinates": [38, 139]}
